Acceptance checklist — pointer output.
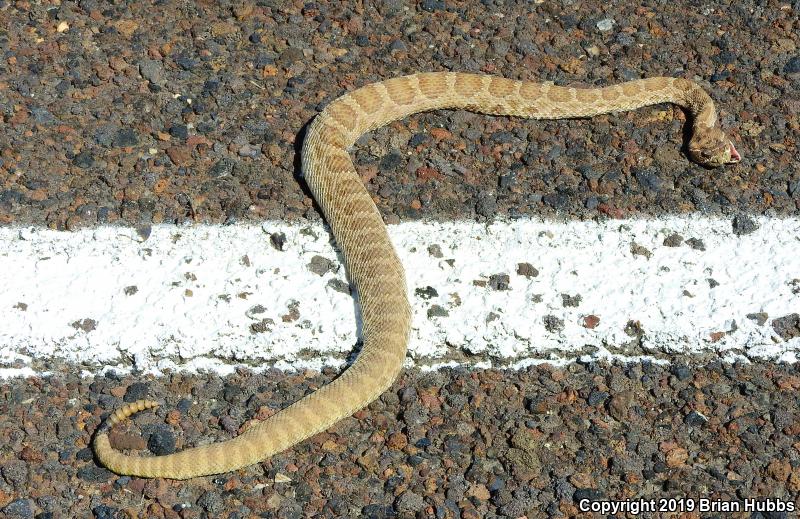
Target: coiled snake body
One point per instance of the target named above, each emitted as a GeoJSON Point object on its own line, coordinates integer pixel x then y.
{"type": "Point", "coordinates": [370, 258]}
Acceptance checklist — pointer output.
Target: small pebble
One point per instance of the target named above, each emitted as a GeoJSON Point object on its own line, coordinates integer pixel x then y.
{"type": "Point", "coordinates": [15, 472]}
{"type": "Point", "coordinates": [673, 240]}
{"type": "Point", "coordinates": [278, 241]}
{"type": "Point", "coordinates": [792, 66]}
{"type": "Point", "coordinates": [320, 266]}
{"type": "Point", "coordinates": [409, 503]}
{"type": "Point", "coordinates": [605, 25]}
{"type": "Point", "coordinates": [153, 71]}
{"type": "Point", "coordinates": [743, 225]}
{"type": "Point", "coordinates": [527, 270]}
{"type": "Point", "coordinates": [597, 397]}
{"type": "Point", "coordinates": [426, 293]}
{"type": "Point", "coordinates": [161, 440]}
{"type": "Point", "coordinates": [19, 509]}
{"type": "Point", "coordinates": [105, 512]}
{"type": "Point", "coordinates": [179, 131]}
{"type": "Point", "coordinates": [211, 502]}
{"type": "Point", "coordinates": [695, 418]}
{"type": "Point", "coordinates": [136, 391]}
{"type": "Point", "coordinates": [499, 282]}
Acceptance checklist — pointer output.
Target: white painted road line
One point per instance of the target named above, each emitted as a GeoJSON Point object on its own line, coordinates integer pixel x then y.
{"type": "Point", "coordinates": [507, 294]}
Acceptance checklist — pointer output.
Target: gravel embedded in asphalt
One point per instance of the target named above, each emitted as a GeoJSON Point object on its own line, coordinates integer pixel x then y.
{"type": "Point", "coordinates": [202, 120]}
{"type": "Point", "coordinates": [449, 443]}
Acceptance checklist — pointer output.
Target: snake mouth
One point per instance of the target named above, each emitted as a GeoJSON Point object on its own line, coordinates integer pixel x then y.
{"type": "Point", "coordinates": [735, 157]}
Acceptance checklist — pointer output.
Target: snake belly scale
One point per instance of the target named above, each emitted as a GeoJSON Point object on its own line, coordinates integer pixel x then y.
{"type": "Point", "coordinates": [370, 258]}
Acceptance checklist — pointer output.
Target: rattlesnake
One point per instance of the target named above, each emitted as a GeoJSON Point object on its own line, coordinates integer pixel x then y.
{"type": "Point", "coordinates": [370, 258]}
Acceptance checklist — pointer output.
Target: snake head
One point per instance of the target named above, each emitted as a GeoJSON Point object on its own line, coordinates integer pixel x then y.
{"type": "Point", "coordinates": [712, 148]}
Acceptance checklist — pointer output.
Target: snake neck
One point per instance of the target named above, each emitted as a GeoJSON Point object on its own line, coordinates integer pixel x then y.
{"type": "Point", "coordinates": [347, 118]}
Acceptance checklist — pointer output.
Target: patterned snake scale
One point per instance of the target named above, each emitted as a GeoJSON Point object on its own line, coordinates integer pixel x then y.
{"type": "Point", "coordinates": [370, 258]}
